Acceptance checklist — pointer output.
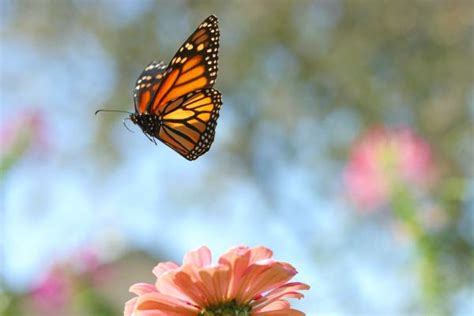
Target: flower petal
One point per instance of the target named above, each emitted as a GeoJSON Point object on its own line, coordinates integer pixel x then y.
{"type": "Point", "coordinates": [184, 284]}
{"type": "Point", "coordinates": [142, 288]}
{"type": "Point", "coordinates": [200, 257]}
{"type": "Point", "coordinates": [216, 281]}
{"type": "Point", "coordinates": [130, 306]}
{"type": "Point", "coordinates": [260, 253]}
{"type": "Point", "coordinates": [277, 308]}
{"type": "Point", "coordinates": [163, 267]}
{"type": "Point", "coordinates": [277, 305]}
{"type": "Point", "coordinates": [237, 259]}
{"type": "Point", "coordinates": [281, 312]}
{"type": "Point", "coordinates": [159, 304]}
{"type": "Point", "coordinates": [289, 290]}
{"type": "Point", "coordinates": [263, 277]}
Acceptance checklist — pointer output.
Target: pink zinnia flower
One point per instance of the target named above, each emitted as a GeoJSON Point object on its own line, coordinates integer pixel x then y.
{"type": "Point", "coordinates": [245, 281]}
{"type": "Point", "coordinates": [384, 159]}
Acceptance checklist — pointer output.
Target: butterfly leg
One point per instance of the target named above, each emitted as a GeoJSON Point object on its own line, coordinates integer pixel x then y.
{"type": "Point", "coordinates": [153, 140]}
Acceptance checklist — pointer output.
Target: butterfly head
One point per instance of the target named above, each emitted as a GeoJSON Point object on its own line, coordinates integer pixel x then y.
{"type": "Point", "coordinates": [134, 118]}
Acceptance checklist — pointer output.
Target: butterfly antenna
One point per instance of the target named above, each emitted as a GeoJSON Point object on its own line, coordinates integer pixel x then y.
{"type": "Point", "coordinates": [118, 111]}
{"type": "Point", "coordinates": [124, 124]}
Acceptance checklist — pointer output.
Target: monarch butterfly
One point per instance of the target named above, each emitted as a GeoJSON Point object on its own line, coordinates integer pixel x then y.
{"type": "Point", "coordinates": [176, 103]}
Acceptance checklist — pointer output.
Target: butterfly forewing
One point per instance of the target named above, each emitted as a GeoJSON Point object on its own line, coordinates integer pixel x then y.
{"type": "Point", "coordinates": [193, 67]}
{"type": "Point", "coordinates": [147, 84]}
{"type": "Point", "coordinates": [189, 122]}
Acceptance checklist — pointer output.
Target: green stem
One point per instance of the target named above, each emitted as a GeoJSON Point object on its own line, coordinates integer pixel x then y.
{"type": "Point", "coordinates": [404, 207]}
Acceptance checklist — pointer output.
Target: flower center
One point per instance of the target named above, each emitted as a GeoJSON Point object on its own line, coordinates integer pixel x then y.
{"type": "Point", "coordinates": [226, 309]}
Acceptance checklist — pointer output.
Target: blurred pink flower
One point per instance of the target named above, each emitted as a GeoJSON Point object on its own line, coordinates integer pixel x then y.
{"type": "Point", "coordinates": [246, 281]}
{"type": "Point", "coordinates": [26, 130]}
{"type": "Point", "coordinates": [384, 159]}
{"type": "Point", "coordinates": [54, 291]}
{"type": "Point", "coordinates": [58, 286]}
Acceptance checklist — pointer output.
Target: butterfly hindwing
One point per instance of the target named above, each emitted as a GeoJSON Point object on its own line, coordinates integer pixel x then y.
{"type": "Point", "coordinates": [147, 84]}
{"type": "Point", "coordinates": [189, 122]}
{"type": "Point", "coordinates": [193, 67]}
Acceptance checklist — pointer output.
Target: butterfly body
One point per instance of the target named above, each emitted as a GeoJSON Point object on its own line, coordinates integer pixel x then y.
{"type": "Point", "coordinates": [176, 103]}
{"type": "Point", "coordinates": [149, 123]}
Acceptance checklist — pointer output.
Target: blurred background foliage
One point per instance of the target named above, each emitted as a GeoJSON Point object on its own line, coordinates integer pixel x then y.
{"type": "Point", "coordinates": [302, 83]}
